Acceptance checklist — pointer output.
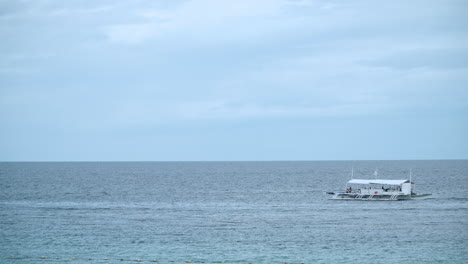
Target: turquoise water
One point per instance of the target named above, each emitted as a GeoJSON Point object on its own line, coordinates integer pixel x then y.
{"type": "Point", "coordinates": [236, 212]}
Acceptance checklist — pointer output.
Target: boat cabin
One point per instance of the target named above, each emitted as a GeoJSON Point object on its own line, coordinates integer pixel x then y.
{"type": "Point", "coordinates": [379, 187]}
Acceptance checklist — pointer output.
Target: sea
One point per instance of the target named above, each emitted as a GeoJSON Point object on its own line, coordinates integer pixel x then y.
{"type": "Point", "coordinates": [228, 212]}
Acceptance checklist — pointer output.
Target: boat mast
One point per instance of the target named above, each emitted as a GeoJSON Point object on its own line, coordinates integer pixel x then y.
{"type": "Point", "coordinates": [411, 182]}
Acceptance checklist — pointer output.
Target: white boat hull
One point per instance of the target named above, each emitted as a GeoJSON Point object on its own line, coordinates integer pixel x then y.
{"type": "Point", "coordinates": [377, 197]}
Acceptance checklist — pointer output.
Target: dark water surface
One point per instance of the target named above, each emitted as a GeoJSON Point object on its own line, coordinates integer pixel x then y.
{"type": "Point", "coordinates": [236, 212]}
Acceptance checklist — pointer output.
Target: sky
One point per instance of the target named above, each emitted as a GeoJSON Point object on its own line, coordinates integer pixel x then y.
{"type": "Point", "coordinates": [213, 80]}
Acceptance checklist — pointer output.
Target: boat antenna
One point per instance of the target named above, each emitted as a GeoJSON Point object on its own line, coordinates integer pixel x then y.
{"type": "Point", "coordinates": [376, 172]}
{"type": "Point", "coordinates": [352, 172]}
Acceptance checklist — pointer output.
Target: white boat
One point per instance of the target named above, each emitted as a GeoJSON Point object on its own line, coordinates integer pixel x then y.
{"type": "Point", "coordinates": [380, 190]}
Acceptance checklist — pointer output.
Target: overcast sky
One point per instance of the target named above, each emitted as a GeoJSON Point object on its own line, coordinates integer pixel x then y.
{"type": "Point", "coordinates": [233, 80]}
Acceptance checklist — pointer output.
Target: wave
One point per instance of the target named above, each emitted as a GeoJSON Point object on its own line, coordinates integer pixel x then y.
{"type": "Point", "coordinates": [453, 198]}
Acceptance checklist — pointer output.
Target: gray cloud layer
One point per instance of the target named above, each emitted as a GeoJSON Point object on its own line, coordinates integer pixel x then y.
{"type": "Point", "coordinates": [79, 69]}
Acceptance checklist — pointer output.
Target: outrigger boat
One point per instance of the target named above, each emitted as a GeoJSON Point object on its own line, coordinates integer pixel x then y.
{"type": "Point", "coordinates": [380, 190]}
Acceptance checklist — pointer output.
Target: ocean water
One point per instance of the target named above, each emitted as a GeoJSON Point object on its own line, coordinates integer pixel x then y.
{"type": "Point", "coordinates": [231, 212]}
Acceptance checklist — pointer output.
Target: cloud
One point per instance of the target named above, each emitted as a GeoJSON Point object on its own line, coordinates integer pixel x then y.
{"type": "Point", "coordinates": [420, 58]}
{"type": "Point", "coordinates": [157, 14]}
{"type": "Point", "coordinates": [131, 33]}
{"type": "Point", "coordinates": [235, 110]}
{"type": "Point", "coordinates": [24, 9]}
{"type": "Point", "coordinates": [200, 19]}
{"type": "Point", "coordinates": [148, 112]}
{"type": "Point", "coordinates": [258, 57]}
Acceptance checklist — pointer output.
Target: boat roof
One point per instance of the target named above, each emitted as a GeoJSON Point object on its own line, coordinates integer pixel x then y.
{"type": "Point", "coordinates": [377, 181]}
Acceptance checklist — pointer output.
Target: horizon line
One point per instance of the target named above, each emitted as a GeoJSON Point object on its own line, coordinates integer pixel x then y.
{"type": "Point", "coordinates": [142, 161]}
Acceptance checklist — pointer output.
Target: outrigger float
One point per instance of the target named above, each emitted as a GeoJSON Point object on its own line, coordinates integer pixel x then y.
{"type": "Point", "coordinates": [379, 190]}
